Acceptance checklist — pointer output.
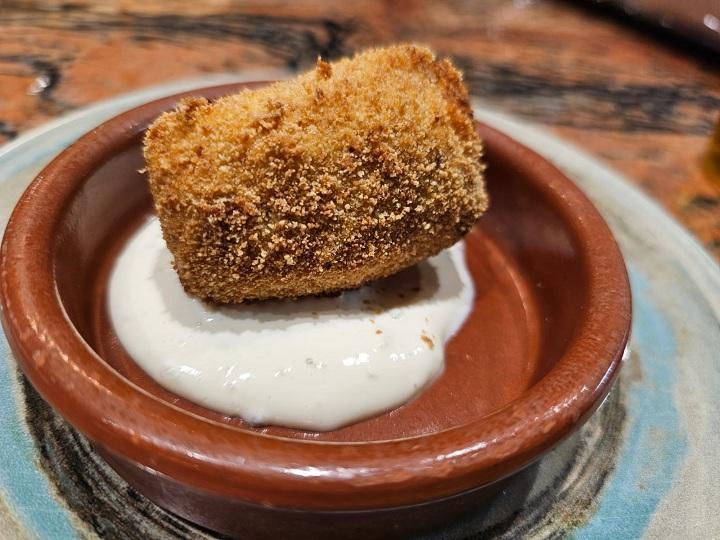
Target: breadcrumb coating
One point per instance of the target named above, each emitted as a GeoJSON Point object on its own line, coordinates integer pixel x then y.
{"type": "Point", "coordinates": [349, 173]}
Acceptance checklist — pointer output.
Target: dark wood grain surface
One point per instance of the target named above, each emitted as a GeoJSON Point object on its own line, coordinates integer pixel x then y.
{"type": "Point", "coordinates": [643, 103]}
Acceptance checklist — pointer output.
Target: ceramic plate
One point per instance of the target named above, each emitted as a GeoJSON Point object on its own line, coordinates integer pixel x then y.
{"type": "Point", "coordinates": [646, 464]}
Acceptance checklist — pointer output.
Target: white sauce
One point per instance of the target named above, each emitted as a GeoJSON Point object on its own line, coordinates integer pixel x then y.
{"type": "Point", "coordinates": [314, 363]}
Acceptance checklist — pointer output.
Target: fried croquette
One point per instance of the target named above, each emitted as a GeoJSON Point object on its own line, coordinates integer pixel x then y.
{"type": "Point", "coordinates": [349, 173]}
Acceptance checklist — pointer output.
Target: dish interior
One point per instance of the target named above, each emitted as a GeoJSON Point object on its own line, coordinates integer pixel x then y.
{"type": "Point", "coordinates": [524, 260]}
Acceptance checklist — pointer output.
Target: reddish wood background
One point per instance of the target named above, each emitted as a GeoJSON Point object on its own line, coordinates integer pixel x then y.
{"type": "Point", "coordinates": [643, 103]}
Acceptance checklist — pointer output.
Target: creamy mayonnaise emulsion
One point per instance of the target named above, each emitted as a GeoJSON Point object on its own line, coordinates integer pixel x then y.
{"type": "Point", "coordinates": [314, 363]}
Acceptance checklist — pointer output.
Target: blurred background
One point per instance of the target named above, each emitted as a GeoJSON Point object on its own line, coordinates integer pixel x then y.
{"type": "Point", "coordinates": [636, 83]}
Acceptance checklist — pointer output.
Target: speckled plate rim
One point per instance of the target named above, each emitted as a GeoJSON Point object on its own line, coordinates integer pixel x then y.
{"type": "Point", "coordinates": [667, 502]}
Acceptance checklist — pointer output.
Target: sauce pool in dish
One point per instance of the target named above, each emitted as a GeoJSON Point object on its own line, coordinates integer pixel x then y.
{"type": "Point", "coordinates": [317, 363]}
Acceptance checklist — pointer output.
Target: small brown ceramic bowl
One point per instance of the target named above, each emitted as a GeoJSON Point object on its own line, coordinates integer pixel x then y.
{"type": "Point", "coordinates": [536, 356]}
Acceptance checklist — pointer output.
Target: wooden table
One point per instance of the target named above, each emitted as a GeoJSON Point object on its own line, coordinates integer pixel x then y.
{"type": "Point", "coordinates": [643, 104]}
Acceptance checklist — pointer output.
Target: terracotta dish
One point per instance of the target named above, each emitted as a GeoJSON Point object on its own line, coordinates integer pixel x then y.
{"type": "Point", "coordinates": [537, 355]}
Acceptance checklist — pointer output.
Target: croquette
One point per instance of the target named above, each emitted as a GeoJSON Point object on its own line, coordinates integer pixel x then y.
{"type": "Point", "coordinates": [348, 173]}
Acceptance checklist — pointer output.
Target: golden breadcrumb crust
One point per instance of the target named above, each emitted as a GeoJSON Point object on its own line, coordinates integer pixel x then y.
{"type": "Point", "coordinates": [346, 174]}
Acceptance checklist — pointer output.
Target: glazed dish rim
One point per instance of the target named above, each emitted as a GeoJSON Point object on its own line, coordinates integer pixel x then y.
{"type": "Point", "coordinates": [233, 462]}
